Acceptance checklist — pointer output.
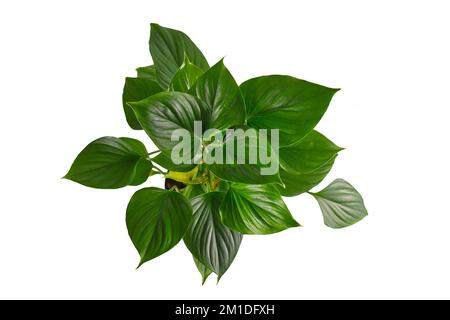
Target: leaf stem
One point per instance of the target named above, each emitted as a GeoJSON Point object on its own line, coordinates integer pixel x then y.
{"type": "Point", "coordinates": [153, 152]}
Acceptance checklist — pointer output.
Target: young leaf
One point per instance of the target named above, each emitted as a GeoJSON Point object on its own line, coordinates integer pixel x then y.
{"type": "Point", "coordinates": [136, 89]}
{"type": "Point", "coordinates": [193, 190]}
{"type": "Point", "coordinates": [168, 48]}
{"type": "Point", "coordinates": [161, 114]}
{"type": "Point", "coordinates": [291, 105]}
{"type": "Point", "coordinates": [148, 72]}
{"type": "Point", "coordinates": [255, 209]}
{"type": "Point", "coordinates": [110, 163]}
{"type": "Point", "coordinates": [213, 244]}
{"type": "Point", "coordinates": [218, 89]}
{"type": "Point", "coordinates": [185, 77]}
{"type": "Point", "coordinates": [310, 153]}
{"type": "Point", "coordinates": [341, 204]}
{"type": "Point", "coordinates": [157, 220]}
{"type": "Point", "coordinates": [204, 271]}
{"type": "Point", "coordinates": [297, 183]}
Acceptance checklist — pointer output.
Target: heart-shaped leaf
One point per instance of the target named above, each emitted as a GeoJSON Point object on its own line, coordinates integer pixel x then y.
{"type": "Point", "coordinates": [136, 89]}
{"type": "Point", "coordinates": [157, 220]}
{"type": "Point", "coordinates": [148, 72]}
{"type": "Point", "coordinates": [341, 204]}
{"type": "Point", "coordinates": [204, 271]}
{"type": "Point", "coordinates": [291, 105]}
{"type": "Point", "coordinates": [297, 183]}
{"type": "Point", "coordinates": [185, 77]}
{"type": "Point", "coordinates": [161, 114]}
{"type": "Point", "coordinates": [213, 244]}
{"type": "Point", "coordinates": [220, 92]}
{"type": "Point", "coordinates": [255, 209]}
{"type": "Point", "coordinates": [111, 163]}
{"type": "Point", "coordinates": [168, 48]}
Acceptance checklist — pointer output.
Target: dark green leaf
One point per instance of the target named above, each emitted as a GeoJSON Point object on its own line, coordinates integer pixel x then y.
{"type": "Point", "coordinates": [244, 170]}
{"type": "Point", "coordinates": [310, 153]}
{"type": "Point", "coordinates": [165, 112]}
{"type": "Point", "coordinates": [291, 105]}
{"type": "Point", "coordinates": [168, 48]}
{"type": "Point", "coordinates": [185, 77]}
{"type": "Point", "coordinates": [213, 244]}
{"type": "Point", "coordinates": [157, 220]}
{"type": "Point", "coordinates": [111, 163]}
{"type": "Point", "coordinates": [255, 209]}
{"type": "Point", "coordinates": [164, 161]}
{"type": "Point", "coordinates": [218, 89]}
{"type": "Point", "coordinates": [193, 190]}
{"type": "Point", "coordinates": [204, 271]}
{"type": "Point", "coordinates": [148, 72]}
{"type": "Point", "coordinates": [297, 183]}
{"type": "Point", "coordinates": [136, 89]}
{"type": "Point", "coordinates": [341, 204]}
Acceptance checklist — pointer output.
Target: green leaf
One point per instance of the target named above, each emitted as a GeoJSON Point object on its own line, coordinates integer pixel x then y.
{"type": "Point", "coordinates": [297, 183]}
{"type": "Point", "coordinates": [245, 171]}
{"type": "Point", "coordinates": [110, 163]}
{"type": "Point", "coordinates": [157, 220]}
{"type": "Point", "coordinates": [255, 209]}
{"type": "Point", "coordinates": [185, 77]}
{"type": "Point", "coordinates": [148, 72]}
{"type": "Point", "coordinates": [165, 112]}
{"type": "Point", "coordinates": [204, 271]}
{"type": "Point", "coordinates": [168, 48]}
{"type": "Point", "coordinates": [341, 204]}
{"type": "Point", "coordinates": [213, 244]}
{"type": "Point", "coordinates": [136, 89]}
{"type": "Point", "coordinates": [310, 153]}
{"type": "Point", "coordinates": [164, 161]}
{"type": "Point", "coordinates": [291, 105]}
{"type": "Point", "coordinates": [218, 89]}
{"type": "Point", "coordinates": [193, 190]}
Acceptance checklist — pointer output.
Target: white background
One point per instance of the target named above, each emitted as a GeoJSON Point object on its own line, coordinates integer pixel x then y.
{"type": "Point", "coordinates": [62, 68]}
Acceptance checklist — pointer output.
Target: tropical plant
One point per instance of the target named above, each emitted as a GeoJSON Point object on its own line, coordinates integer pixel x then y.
{"type": "Point", "coordinates": [211, 206]}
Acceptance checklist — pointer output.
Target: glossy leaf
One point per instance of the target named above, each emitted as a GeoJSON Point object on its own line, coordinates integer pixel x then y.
{"type": "Point", "coordinates": [168, 48]}
{"type": "Point", "coordinates": [245, 171]}
{"type": "Point", "coordinates": [298, 183]}
{"type": "Point", "coordinates": [185, 77]}
{"type": "Point", "coordinates": [213, 244]}
{"type": "Point", "coordinates": [255, 209]}
{"type": "Point", "coordinates": [157, 220]}
{"type": "Point", "coordinates": [341, 204]}
{"type": "Point", "coordinates": [148, 72]}
{"type": "Point", "coordinates": [291, 105]}
{"type": "Point", "coordinates": [136, 89]}
{"type": "Point", "coordinates": [220, 92]}
{"type": "Point", "coordinates": [310, 153]}
{"type": "Point", "coordinates": [161, 114]}
{"type": "Point", "coordinates": [111, 163]}
{"type": "Point", "coordinates": [204, 271]}
{"type": "Point", "coordinates": [165, 161]}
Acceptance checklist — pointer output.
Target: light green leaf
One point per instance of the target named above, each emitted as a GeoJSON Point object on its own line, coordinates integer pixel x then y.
{"type": "Point", "coordinates": [213, 244]}
{"type": "Point", "coordinates": [255, 209]}
{"type": "Point", "coordinates": [136, 89]}
{"type": "Point", "coordinates": [157, 220]}
{"type": "Point", "coordinates": [297, 183]}
{"type": "Point", "coordinates": [193, 190]}
{"type": "Point", "coordinates": [111, 163]}
{"type": "Point", "coordinates": [218, 89]}
{"type": "Point", "coordinates": [291, 105]}
{"type": "Point", "coordinates": [341, 204]}
{"type": "Point", "coordinates": [204, 271]}
{"type": "Point", "coordinates": [168, 48]}
{"type": "Point", "coordinates": [148, 72]}
{"type": "Point", "coordinates": [185, 77]}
